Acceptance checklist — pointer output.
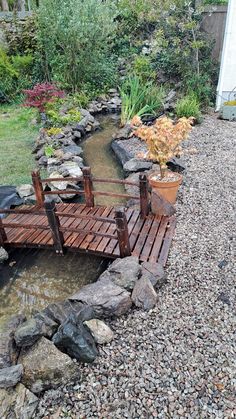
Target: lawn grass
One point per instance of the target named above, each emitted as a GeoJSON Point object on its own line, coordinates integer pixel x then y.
{"type": "Point", "coordinates": [17, 135]}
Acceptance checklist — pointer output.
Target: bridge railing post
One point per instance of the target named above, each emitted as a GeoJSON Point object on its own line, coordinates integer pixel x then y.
{"type": "Point", "coordinates": [3, 236]}
{"type": "Point", "coordinates": [122, 233]}
{"type": "Point", "coordinates": [54, 223]}
{"type": "Point", "coordinates": [144, 195]}
{"type": "Point", "coordinates": [88, 187]}
{"type": "Point", "coordinates": [38, 187]}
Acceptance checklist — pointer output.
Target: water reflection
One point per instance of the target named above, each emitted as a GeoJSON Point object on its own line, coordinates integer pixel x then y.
{"type": "Point", "coordinates": [34, 278]}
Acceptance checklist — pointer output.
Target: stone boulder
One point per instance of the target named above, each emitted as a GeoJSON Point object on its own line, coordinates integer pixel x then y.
{"type": "Point", "coordinates": [74, 339]}
{"type": "Point", "coordinates": [9, 197]}
{"type": "Point", "coordinates": [54, 186]}
{"type": "Point", "coordinates": [144, 296]}
{"type": "Point", "coordinates": [73, 149]}
{"type": "Point", "coordinates": [28, 333]}
{"type": "Point", "coordinates": [8, 350]}
{"type": "Point", "coordinates": [123, 272]}
{"type": "Point", "coordinates": [25, 190]}
{"type": "Point", "coordinates": [17, 403]}
{"type": "Point", "coordinates": [31, 330]}
{"type": "Point", "coordinates": [72, 169]}
{"type": "Point", "coordinates": [10, 376]}
{"type": "Point", "coordinates": [59, 312]}
{"type": "Point", "coordinates": [3, 255]}
{"type": "Point", "coordinates": [137, 165]}
{"type": "Point", "coordinates": [46, 367]}
{"type": "Point", "coordinates": [155, 273]}
{"type": "Point", "coordinates": [105, 297]}
{"type": "Point", "coordinates": [100, 331]}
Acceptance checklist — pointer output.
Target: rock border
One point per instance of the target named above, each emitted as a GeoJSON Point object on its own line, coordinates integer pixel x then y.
{"type": "Point", "coordinates": [45, 351]}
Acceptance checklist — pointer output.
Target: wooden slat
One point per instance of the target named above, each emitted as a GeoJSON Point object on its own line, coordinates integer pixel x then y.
{"type": "Point", "coordinates": [102, 228]}
{"type": "Point", "coordinates": [158, 240]}
{"type": "Point", "coordinates": [81, 236]}
{"type": "Point", "coordinates": [142, 237]}
{"type": "Point", "coordinates": [94, 231]}
{"type": "Point", "coordinates": [151, 238]}
{"type": "Point", "coordinates": [76, 237]}
{"type": "Point", "coordinates": [167, 241]}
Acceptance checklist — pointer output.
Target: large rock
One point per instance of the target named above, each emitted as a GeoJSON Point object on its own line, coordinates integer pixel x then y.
{"type": "Point", "coordinates": [120, 151]}
{"type": "Point", "coordinates": [123, 272]}
{"type": "Point", "coordinates": [72, 168]}
{"type": "Point", "coordinates": [17, 403]}
{"type": "Point", "coordinates": [123, 133]}
{"type": "Point", "coordinates": [144, 296]}
{"type": "Point", "coordinates": [8, 350]}
{"type": "Point", "coordinates": [10, 376]}
{"type": "Point", "coordinates": [106, 298]}
{"type": "Point", "coordinates": [25, 190]}
{"type": "Point", "coordinates": [100, 331]}
{"type": "Point", "coordinates": [9, 197]}
{"type": "Point", "coordinates": [46, 367]}
{"type": "Point", "coordinates": [3, 255]}
{"type": "Point", "coordinates": [59, 312]}
{"type": "Point", "coordinates": [61, 186]}
{"type": "Point", "coordinates": [74, 339]}
{"type": "Point", "coordinates": [28, 333]}
{"type": "Point", "coordinates": [137, 165]}
{"type": "Point", "coordinates": [128, 149]}
{"type": "Point", "coordinates": [73, 149]}
{"type": "Point", "coordinates": [155, 273]}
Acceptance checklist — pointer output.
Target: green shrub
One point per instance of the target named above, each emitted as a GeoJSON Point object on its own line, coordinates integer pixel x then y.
{"type": "Point", "coordinates": [188, 106]}
{"type": "Point", "coordinates": [49, 151]}
{"type": "Point", "coordinates": [15, 75]}
{"type": "Point", "coordinates": [74, 39]}
{"type": "Point", "coordinates": [60, 112]}
{"type": "Point", "coordinates": [143, 68]}
{"type": "Point", "coordinates": [139, 98]}
{"type": "Point", "coordinates": [203, 87]}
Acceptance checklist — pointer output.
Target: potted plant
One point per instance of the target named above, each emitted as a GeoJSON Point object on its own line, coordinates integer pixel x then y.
{"type": "Point", "coordinates": [163, 140]}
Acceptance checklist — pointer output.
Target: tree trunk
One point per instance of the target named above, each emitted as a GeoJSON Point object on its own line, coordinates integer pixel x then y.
{"type": "Point", "coordinates": [4, 5]}
{"type": "Point", "coordinates": [21, 5]}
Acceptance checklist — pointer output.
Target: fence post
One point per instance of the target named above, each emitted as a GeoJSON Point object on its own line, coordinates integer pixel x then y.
{"type": "Point", "coordinates": [88, 187]}
{"type": "Point", "coordinates": [122, 233]}
{"type": "Point", "coordinates": [38, 187]}
{"type": "Point", "coordinates": [144, 198]}
{"type": "Point", "coordinates": [54, 225]}
{"type": "Point", "coordinates": [3, 236]}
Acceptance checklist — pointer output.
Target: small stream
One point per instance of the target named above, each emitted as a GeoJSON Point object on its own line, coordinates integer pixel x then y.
{"type": "Point", "coordinates": [32, 279]}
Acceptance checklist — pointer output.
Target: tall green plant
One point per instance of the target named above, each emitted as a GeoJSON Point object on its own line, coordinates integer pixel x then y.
{"type": "Point", "coordinates": [74, 38]}
{"type": "Point", "coordinates": [139, 98]}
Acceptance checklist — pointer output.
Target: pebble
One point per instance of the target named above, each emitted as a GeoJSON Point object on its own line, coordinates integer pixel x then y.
{"type": "Point", "coordinates": [178, 360]}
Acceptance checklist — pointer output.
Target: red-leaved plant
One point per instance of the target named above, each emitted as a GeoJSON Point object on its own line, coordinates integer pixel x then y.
{"type": "Point", "coordinates": [42, 94]}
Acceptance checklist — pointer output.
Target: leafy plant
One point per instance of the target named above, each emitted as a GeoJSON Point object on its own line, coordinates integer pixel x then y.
{"type": "Point", "coordinates": [42, 94]}
{"type": "Point", "coordinates": [8, 76]}
{"type": "Point", "coordinates": [139, 98]}
{"type": "Point", "coordinates": [143, 68]}
{"type": "Point", "coordinates": [188, 106]}
{"type": "Point", "coordinates": [53, 131]}
{"type": "Point", "coordinates": [49, 151]}
{"type": "Point", "coordinates": [77, 48]}
{"type": "Point", "coordinates": [163, 138]}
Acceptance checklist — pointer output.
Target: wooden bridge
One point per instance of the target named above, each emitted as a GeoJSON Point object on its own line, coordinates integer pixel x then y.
{"type": "Point", "coordinates": [85, 227]}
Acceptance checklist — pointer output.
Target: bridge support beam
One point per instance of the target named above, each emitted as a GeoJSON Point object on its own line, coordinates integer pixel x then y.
{"type": "Point", "coordinates": [144, 196]}
{"type": "Point", "coordinates": [54, 224]}
{"type": "Point", "coordinates": [3, 236]}
{"type": "Point", "coordinates": [38, 187]}
{"type": "Point", "coordinates": [88, 187]}
{"type": "Point", "coordinates": [122, 233]}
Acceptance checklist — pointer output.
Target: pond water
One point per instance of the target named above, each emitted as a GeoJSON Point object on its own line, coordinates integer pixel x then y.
{"type": "Point", "coordinates": [99, 156]}
{"type": "Point", "coordinates": [32, 279]}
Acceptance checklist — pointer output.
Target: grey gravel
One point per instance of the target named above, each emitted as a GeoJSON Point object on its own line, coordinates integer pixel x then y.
{"type": "Point", "coordinates": [177, 360]}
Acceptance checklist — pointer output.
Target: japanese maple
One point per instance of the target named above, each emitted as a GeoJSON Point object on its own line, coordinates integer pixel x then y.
{"type": "Point", "coordinates": [42, 94]}
{"type": "Point", "coordinates": [163, 138]}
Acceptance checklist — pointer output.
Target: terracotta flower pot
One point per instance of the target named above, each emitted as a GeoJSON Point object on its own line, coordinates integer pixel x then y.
{"type": "Point", "coordinates": [167, 189]}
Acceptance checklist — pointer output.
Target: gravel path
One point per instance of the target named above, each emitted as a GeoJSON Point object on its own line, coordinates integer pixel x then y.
{"type": "Point", "coordinates": [177, 361]}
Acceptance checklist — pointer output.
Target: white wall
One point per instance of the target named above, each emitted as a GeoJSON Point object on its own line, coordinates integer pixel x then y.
{"type": "Point", "coordinates": [227, 77]}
